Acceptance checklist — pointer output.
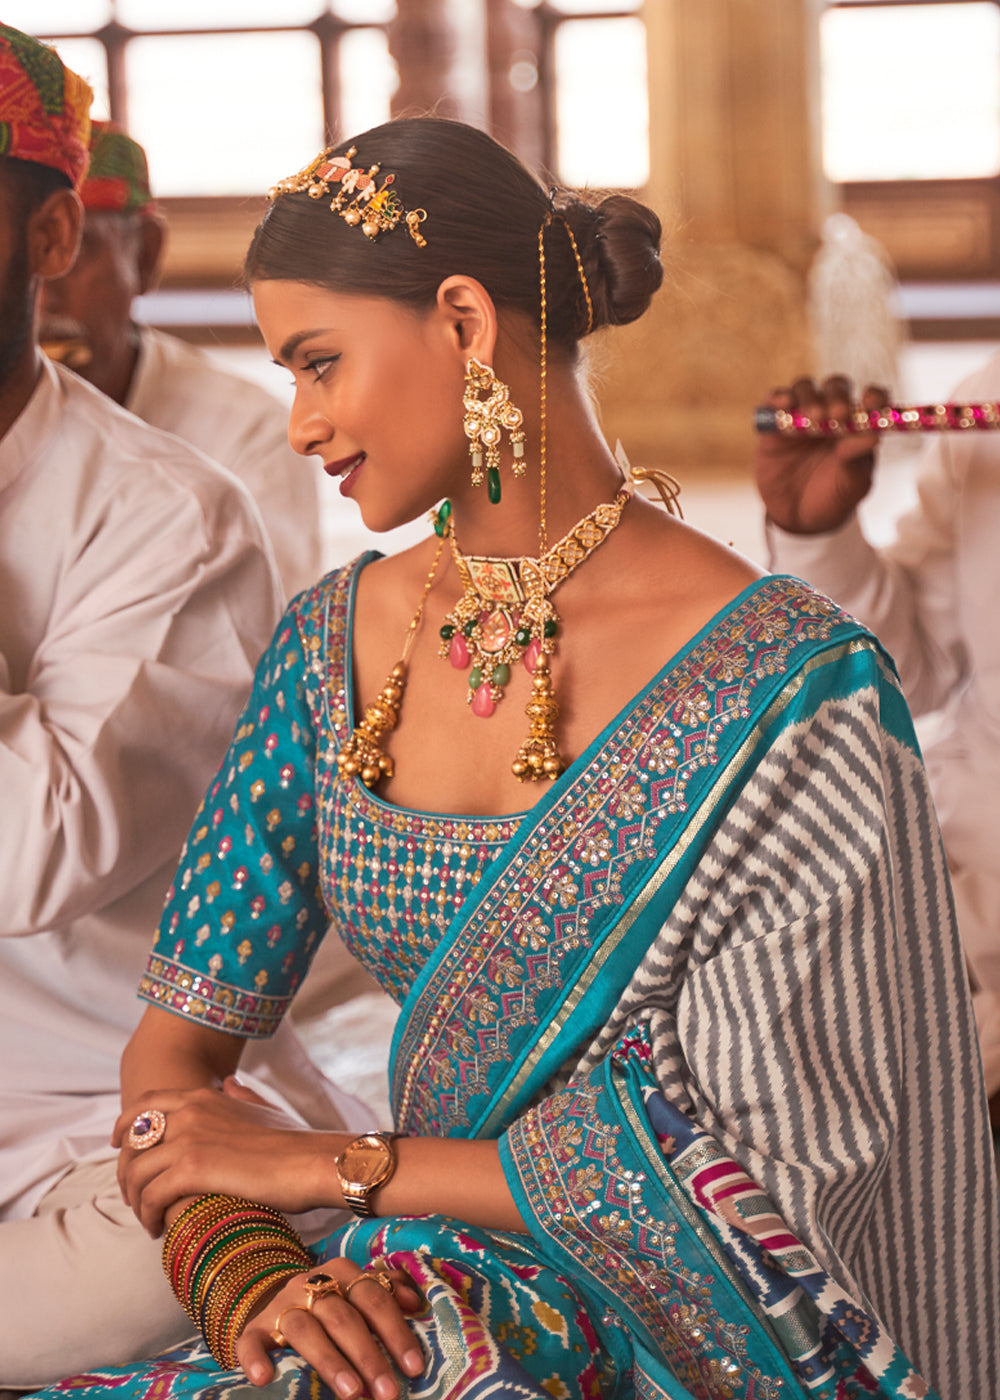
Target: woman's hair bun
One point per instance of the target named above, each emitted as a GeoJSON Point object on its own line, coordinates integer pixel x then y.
{"type": "Point", "coordinates": [619, 241]}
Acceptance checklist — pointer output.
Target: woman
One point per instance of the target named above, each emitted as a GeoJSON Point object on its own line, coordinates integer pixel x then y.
{"type": "Point", "coordinates": [684, 1029]}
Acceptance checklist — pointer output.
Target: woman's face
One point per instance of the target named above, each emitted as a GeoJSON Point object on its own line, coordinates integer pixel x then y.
{"type": "Point", "coordinates": [378, 394]}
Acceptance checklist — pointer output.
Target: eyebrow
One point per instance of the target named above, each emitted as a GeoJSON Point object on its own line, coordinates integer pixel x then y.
{"type": "Point", "coordinates": [293, 342]}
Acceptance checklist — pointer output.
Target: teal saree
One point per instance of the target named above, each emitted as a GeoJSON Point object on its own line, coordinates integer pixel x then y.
{"type": "Point", "coordinates": [707, 994]}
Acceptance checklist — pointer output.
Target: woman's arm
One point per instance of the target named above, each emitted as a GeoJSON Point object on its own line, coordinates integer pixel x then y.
{"type": "Point", "coordinates": [222, 1137]}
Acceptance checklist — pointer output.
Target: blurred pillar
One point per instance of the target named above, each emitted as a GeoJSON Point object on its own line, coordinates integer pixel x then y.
{"type": "Point", "coordinates": [440, 51]}
{"type": "Point", "coordinates": [736, 176]}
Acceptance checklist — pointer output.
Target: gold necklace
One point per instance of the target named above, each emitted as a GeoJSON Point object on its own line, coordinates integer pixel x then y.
{"type": "Point", "coordinates": [362, 755]}
{"type": "Point", "coordinates": [505, 615]}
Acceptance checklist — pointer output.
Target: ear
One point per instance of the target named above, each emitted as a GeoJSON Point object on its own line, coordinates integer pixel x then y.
{"type": "Point", "coordinates": [54, 234]}
{"type": "Point", "coordinates": [152, 241]}
{"type": "Point", "coordinates": [469, 316]}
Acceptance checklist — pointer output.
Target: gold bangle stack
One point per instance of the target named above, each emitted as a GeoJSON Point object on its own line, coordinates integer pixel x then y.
{"type": "Point", "coordinates": [222, 1256]}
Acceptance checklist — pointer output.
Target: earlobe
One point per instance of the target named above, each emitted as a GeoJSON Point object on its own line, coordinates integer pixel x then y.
{"type": "Point", "coordinates": [470, 315]}
{"type": "Point", "coordinates": [54, 235]}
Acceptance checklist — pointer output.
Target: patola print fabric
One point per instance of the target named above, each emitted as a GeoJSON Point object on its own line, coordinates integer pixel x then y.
{"type": "Point", "coordinates": [695, 992]}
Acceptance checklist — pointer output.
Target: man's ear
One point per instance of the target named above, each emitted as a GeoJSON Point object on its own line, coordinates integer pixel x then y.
{"type": "Point", "coordinates": [54, 235]}
{"type": "Point", "coordinates": [469, 316]}
{"type": "Point", "coordinates": [152, 241]}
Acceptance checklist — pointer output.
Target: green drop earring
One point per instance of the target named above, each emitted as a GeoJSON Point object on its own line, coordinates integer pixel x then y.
{"type": "Point", "coordinates": [485, 420]}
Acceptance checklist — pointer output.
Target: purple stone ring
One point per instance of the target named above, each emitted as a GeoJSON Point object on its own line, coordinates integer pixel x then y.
{"type": "Point", "coordinates": [147, 1129]}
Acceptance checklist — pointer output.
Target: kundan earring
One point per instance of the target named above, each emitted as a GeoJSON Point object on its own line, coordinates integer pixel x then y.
{"type": "Point", "coordinates": [485, 418]}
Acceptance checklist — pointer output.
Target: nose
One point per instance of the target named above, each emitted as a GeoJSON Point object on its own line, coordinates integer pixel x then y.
{"type": "Point", "coordinates": [308, 427]}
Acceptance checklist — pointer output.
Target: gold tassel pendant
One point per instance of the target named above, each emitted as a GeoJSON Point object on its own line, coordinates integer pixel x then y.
{"type": "Point", "coordinates": [362, 755]}
{"type": "Point", "coordinates": [538, 756]}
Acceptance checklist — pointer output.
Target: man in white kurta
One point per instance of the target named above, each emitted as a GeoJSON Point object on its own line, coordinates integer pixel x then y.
{"type": "Point", "coordinates": [87, 315]}
{"type": "Point", "coordinates": [930, 596]}
{"type": "Point", "coordinates": [137, 591]}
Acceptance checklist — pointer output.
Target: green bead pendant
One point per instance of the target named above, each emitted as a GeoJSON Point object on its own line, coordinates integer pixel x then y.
{"type": "Point", "coordinates": [551, 627]}
{"type": "Point", "coordinates": [493, 486]}
{"type": "Point", "coordinates": [501, 674]}
{"type": "Point", "coordinates": [475, 678]}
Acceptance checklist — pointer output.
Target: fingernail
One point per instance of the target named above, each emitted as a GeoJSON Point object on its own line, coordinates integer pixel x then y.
{"type": "Point", "coordinates": [385, 1388]}
{"type": "Point", "coordinates": [345, 1384]}
{"type": "Point", "coordinates": [413, 1362]}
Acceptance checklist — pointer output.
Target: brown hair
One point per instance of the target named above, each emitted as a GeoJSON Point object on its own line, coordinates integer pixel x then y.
{"type": "Point", "coordinates": [484, 211]}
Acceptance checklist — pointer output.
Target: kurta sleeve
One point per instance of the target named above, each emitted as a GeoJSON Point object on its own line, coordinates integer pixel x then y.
{"type": "Point", "coordinates": [245, 912]}
{"type": "Point", "coordinates": [106, 736]}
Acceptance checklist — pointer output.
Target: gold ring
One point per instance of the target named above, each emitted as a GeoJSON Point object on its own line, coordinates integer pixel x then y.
{"type": "Point", "coordinates": [147, 1129]}
{"type": "Point", "coordinates": [378, 1269]}
{"type": "Point", "coordinates": [277, 1336]}
{"type": "Point", "coordinates": [366, 1276]}
{"type": "Point", "coordinates": [320, 1286]}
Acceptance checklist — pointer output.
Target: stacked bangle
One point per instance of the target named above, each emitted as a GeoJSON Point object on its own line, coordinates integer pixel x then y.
{"type": "Point", "coordinates": [222, 1256]}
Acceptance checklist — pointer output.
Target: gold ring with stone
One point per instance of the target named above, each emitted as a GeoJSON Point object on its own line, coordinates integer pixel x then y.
{"type": "Point", "coordinates": [320, 1286]}
{"type": "Point", "coordinates": [147, 1129]}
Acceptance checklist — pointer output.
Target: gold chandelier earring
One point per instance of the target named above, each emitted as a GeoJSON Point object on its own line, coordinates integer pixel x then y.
{"type": "Point", "coordinates": [485, 420]}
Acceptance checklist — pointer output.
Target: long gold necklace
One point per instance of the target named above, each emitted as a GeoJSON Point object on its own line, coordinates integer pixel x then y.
{"type": "Point", "coordinates": [362, 755]}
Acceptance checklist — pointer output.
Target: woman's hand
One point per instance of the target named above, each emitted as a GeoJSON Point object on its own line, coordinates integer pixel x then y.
{"type": "Point", "coordinates": [229, 1141]}
{"type": "Point", "coordinates": [340, 1330]}
{"type": "Point", "coordinates": [811, 485]}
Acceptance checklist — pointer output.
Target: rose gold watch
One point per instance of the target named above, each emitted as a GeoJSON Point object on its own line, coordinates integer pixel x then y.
{"type": "Point", "coordinates": [365, 1164]}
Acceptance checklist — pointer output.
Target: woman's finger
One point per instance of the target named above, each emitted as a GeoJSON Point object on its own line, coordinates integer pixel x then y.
{"type": "Point", "coordinates": [335, 1340]}
{"type": "Point", "coordinates": [373, 1294]}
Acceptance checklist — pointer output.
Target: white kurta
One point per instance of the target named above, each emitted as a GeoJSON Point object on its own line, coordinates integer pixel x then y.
{"type": "Point", "coordinates": [136, 593]}
{"type": "Point", "coordinates": [930, 596]}
{"type": "Point", "coordinates": [179, 388]}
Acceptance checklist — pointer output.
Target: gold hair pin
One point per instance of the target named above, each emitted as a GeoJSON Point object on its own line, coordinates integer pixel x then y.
{"type": "Point", "coordinates": [357, 198]}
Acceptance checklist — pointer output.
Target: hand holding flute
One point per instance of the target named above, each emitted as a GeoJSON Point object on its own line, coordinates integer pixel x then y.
{"type": "Point", "coordinates": [810, 483]}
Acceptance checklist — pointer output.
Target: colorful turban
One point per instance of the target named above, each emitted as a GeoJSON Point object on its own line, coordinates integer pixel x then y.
{"type": "Point", "coordinates": [44, 108]}
{"type": "Point", "coordinates": [118, 178]}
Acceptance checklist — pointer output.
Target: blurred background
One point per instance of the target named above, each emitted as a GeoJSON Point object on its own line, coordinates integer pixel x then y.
{"type": "Point", "coordinates": [828, 174]}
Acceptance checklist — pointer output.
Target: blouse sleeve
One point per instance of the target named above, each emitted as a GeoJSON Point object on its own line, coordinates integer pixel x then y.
{"type": "Point", "coordinates": [245, 913]}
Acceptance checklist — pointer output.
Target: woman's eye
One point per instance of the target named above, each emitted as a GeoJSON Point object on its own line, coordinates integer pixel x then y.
{"type": "Point", "coordinates": [321, 367]}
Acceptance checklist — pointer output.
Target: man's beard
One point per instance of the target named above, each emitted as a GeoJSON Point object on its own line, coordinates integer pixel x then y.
{"type": "Point", "coordinates": [17, 309]}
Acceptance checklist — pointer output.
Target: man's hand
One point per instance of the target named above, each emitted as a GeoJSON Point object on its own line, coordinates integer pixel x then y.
{"type": "Point", "coordinates": [811, 485]}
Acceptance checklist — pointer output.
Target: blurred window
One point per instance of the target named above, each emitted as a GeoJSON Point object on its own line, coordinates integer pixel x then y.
{"type": "Point", "coordinates": [911, 91]}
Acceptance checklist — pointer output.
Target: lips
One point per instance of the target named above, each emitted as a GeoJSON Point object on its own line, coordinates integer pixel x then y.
{"type": "Point", "coordinates": [344, 466]}
{"type": "Point", "coordinates": [347, 469]}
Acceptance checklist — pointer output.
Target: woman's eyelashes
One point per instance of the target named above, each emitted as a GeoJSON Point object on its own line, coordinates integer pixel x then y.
{"type": "Point", "coordinates": [321, 365]}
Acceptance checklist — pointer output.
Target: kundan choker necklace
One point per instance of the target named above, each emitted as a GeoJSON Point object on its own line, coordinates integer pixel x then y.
{"type": "Point", "coordinates": [505, 615]}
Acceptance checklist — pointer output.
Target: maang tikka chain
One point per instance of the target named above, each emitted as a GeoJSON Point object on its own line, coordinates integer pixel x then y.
{"type": "Point", "coordinates": [485, 419]}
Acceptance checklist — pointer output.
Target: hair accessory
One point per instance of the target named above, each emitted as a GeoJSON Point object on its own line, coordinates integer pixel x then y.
{"type": "Point", "coordinates": [357, 197]}
{"type": "Point", "coordinates": [505, 615]}
{"type": "Point", "coordinates": [484, 421]}
{"type": "Point", "coordinates": [893, 418]}
{"type": "Point", "coordinates": [147, 1129]}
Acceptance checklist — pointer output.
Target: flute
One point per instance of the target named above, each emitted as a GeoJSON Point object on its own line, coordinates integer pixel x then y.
{"type": "Point", "coordinates": [893, 418]}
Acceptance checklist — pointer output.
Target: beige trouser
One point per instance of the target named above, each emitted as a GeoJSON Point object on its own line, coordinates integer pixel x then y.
{"type": "Point", "coordinates": [81, 1285]}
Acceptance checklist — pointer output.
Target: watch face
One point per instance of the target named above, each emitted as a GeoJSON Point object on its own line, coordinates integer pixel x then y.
{"type": "Point", "coordinates": [365, 1163]}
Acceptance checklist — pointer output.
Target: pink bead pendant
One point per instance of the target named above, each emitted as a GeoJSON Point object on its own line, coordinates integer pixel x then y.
{"type": "Point", "coordinates": [531, 654]}
{"type": "Point", "coordinates": [483, 703]}
{"type": "Point", "coordinates": [458, 652]}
